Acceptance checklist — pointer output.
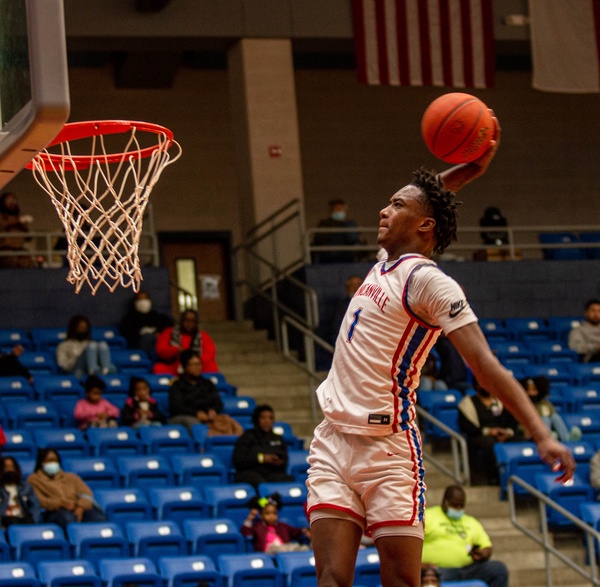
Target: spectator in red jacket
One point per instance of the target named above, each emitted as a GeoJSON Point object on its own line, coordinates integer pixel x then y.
{"type": "Point", "coordinates": [183, 336]}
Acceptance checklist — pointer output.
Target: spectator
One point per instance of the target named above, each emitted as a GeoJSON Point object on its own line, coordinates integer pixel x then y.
{"type": "Point", "coordinates": [79, 354]}
{"type": "Point", "coordinates": [484, 421]}
{"type": "Point", "coordinates": [260, 455]}
{"type": "Point", "coordinates": [64, 496]}
{"type": "Point", "coordinates": [140, 408]}
{"type": "Point", "coordinates": [194, 399]}
{"type": "Point", "coordinates": [584, 339]}
{"type": "Point", "coordinates": [141, 324]}
{"type": "Point", "coordinates": [458, 545]}
{"type": "Point", "coordinates": [352, 284]}
{"type": "Point", "coordinates": [11, 366]}
{"type": "Point", "coordinates": [430, 576]}
{"type": "Point", "coordinates": [492, 218]}
{"type": "Point", "coordinates": [183, 336]}
{"type": "Point", "coordinates": [267, 532]}
{"type": "Point", "coordinates": [12, 221]}
{"type": "Point", "coordinates": [93, 411]}
{"type": "Point", "coordinates": [430, 376]}
{"type": "Point", "coordinates": [336, 219]}
{"type": "Point", "coordinates": [18, 502]}
{"type": "Point", "coordinates": [537, 389]}
{"type": "Point", "coordinates": [452, 369]}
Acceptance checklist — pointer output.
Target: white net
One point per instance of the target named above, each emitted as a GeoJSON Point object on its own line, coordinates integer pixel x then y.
{"type": "Point", "coordinates": [102, 206]}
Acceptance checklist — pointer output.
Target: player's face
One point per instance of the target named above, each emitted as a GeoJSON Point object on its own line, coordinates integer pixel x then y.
{"type": "Point", "coordinates": [401, 221]}
{"type": "Point", "coordinates": [592, 314]}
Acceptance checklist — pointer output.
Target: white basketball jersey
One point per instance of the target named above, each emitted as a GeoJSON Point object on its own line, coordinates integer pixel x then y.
{"type": "Point", "coordinates": [391, 324]}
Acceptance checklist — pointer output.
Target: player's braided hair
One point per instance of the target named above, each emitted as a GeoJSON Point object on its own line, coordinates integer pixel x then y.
{"type": "Point", "coordinates": [444, 207]}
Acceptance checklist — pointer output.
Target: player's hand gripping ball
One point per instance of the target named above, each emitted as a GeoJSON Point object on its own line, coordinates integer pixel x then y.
{"type": "Point", "coordinates": [457, 127]}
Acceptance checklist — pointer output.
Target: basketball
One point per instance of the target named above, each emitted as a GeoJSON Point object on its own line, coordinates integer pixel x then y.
{"type": "Point", "coordinates": [457, 127]}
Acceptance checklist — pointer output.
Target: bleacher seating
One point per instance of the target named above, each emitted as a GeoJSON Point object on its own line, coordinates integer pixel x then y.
{"type": "Point", "coordinates": [178, 503]}
{"type": "Point", "coordinates": [116, 572]}
{"type": "Point", "coordinates": [16, 388]}
{"type": "Point", "coordinates": [70, 573]}
{"type": "Point", "coordinates": [67, 441]}
{"type": "Point", "coordinates": [97, 472]}
{"type": "Point", "coordinates": [114, 441]}
{"type": "Point", "coordinates": [56, 387]}
{"type": "Point", "coordinates": [250, 570]}
{"type": "Point", "coordinates": [214, 536]}
{"type": "Point", "coordinates": [298, 568]}
{"type": "Point", "coordinates": [367, 568]}
{"type": "Point", "coordinates": [10, 337]}
{"type": "Point", "coordinates": [144, 470]}
{"type": "Point", "coordinates": [96, 540]}
{"type": "Point", "coordinates": [168, 439]}
{"type": "Point", "coordinates": [155, 538]}
{"type": "Point", "coordinates": [181, 571]}
{"type": "Point", "coordinates": [204, 469]}
{"type": "Point", "coordinates": [18, 574]}
{"type": "Point", "coordinates": [122, 505]}
{"type": "Point", "coordinates": [37, 542]}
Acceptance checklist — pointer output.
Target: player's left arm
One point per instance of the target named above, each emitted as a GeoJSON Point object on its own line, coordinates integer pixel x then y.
{"type": "Point", "coordinates": [470, 342]}
{"type": "Point", "coordinates": [458, 176]}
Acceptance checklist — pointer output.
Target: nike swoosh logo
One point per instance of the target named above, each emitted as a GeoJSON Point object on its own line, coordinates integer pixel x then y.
{"type": "Point", "coordinates": [454, 313]}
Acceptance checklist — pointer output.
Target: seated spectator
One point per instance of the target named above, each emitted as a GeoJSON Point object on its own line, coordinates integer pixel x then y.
{"type": "Point", "coordinates": [458, 545]}
{"type": "Point", "coordinates": [537, 389]}
{"type": "Point", "coordinates": [183, 336]}
{"type": "Point", "coordinates": [141, 324]}
{"type": "Point", "coordinates": [93, 411]}
{"type": "Point", "coordinates": [584, 339]}
{"type": "Point", "coordinates": [140, 408]}
{"type": "Point", "coordinates": [337, 219]}
{"type": "Point", "coordinates": [430, 376]}
{"type": "Point", "coordinates": [452, 370]}
{"type": "Point", "coordinates": [11, 366]}
{"type": "Point", "coordinates": [18, 502]}
{"type": "Point", "coordinates": [64, 496]}
{"type": "Point", "coordinates": [260, 455]}
{"type": "Point", "coordinates": [493, 218]}
{"type": "Point", "coordinates": [193, 399]}
{"type": "Point", "coordinates": [12, 221]}
{"type": "Point", "coordinates": [484, 421]}
{"type": "Point", "coordinates": [267, 532]}
{"type": "Point", "coordinates": [430, 576]}
{"type": "Point", "coordinates": [79, 354]}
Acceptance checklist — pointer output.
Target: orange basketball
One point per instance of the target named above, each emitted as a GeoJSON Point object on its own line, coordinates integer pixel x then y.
{"type": "Point", "coordinates": [457, 127]}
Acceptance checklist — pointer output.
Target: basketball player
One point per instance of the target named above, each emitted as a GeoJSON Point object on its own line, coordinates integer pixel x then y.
{"type": "Point", "coordinates": [366, 466]}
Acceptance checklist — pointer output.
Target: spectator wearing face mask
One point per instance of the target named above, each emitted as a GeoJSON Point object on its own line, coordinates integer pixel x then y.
{"type": "Point", "coordinates": [457, 545]}
{"type": "Point", "coordinates": [18, 501]}
{"type": "Point", "coordinates": [79, 354]}
{"type": "Point", "coordinates": [141, 324]}
{"type": "Point", "coordinates": [338, 211]}
{"type": "Point", "coordinates": [11, 221]}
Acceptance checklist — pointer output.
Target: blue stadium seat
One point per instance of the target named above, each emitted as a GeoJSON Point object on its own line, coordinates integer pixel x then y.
{"type": "Point", "coordinates": [10, 337]}
{"type": "Point", "coordinates": [585, 373]}
{"type": "Point", "coordinates": [178, 503]}
{"type": "Point", "coordinates": [58, 387]}
{"type": "Point", "coordinates": [47, 339]}
{"type": "Point", "coordinates": [166, 439]}
{"type": "Point", "coordinates": [520, 459]}
{"type": "Point", "coordinates": [96, 540]}
{"type": "Point", "coordinates": [214, 536]}
{"type": "Point", "coordinates": [443, 405]}
{"type": "Point", "coordinates": [367, 567]}
{"type": "Point", "coordinates": [138, 470]}
{"type": "Point", "coordinates": [222, 447]}
{"type": "Point", "coordinates": [36, 542]}
{"type": "Point", "coordinates": [591, 238]}
{"type": "Point", "coordinates": [550, 351]}
{"type": "Point", "coordinates": [526, 329]}
{"type": "Point", "coordinates": [66, 409]}
{"type": "Point", "coordinates": [569, 495]}
{"type": "Point", "coordinates": [298, 464]}
{"type": "Point", "coordinates": [221, 383]}
{"type": "Point", "coordinates": [298, 567]}
{"type": "Point", "coordinates": [582, 453]}
{"type": "Point", "coordinates": [3, 416]}
{"type": "Point", "coordinates": [116, 383]}
{"type": "Point", "coordinates": [140, 571]}
{"type": "Point", "coordinates": [18, 574]}
{"type": "Point", "coordinates": [68, 441]}
{"type": "Point", "coordinates": [285, 429]}
{"type": "Point", "coordinates": [554, 372]}
{"type": "Point", "coordinates": [240, 408]}
{"type": "Point", "coordinates": [25, 414]}
{"type": "Point", "coordinates": [73, 573]}
{"type": "Point", "coordinates": [199, 435]}
{"type": "Point", "coordinates": [515, 352]}
{"type": "Point", "coordinates": [123, 505]}
{"type": "Point", "coordinates": [5, 553]}
{"type": "Point", "coordinates": [97, 472]}
{"type": "Point", "coordinates": [590, 514]}
{"type": "Point", "coordinates": [202, 469]}
{"type": "Point", "coordinates": [561, 254]}
{"type": "Point", "coordinates": [581, 397]}
{"type": "Point", "coordinates": [110, 335]}
{"type": "Point", "coordinates": [293, 497]}
{"type": "Point", "coordinates": [495, 330]}
{"type": "Point", "coordinates": [16, 388]}
{"type": "Point", "coordinates": [562, 325]}
{"type": "Point", "coordinates": [188, 571]}
{"type": "Point", "coordinates": [250, 570]}
{"type": "Point", "coordinates": [39, 362]}
{"type": "Point", "coordinates": [133, 361]}
{"type": "Point", "coordinates": [20, 443]}
{"type": "Point", "coordinates": [229, 501]}
{"type": "Point", "coordinates": [588, 421]}
{"type": "Point", "coordinates": [159, 382]}
{"type": "Point", "coordinates": [154, 539]}
{"type": "Point", "coordinates": [114, 441]}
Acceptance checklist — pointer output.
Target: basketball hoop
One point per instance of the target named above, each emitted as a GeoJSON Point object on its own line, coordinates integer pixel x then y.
{"type": "Point", "coordinates": [101, 195]}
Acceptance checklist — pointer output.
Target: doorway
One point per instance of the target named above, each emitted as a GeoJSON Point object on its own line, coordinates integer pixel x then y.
{"type": "Point", "coordinates": [199, 266]}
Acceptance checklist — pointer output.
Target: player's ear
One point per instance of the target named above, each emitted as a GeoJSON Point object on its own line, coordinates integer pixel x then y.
{"type": "Point", "coordinates": [427, 224]}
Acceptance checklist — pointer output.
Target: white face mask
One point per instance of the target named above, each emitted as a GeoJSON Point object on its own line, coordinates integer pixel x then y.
{"type": "Point", "coordinates": [143, 306]}
{"type": "Point", "coordinates": [341, 215]}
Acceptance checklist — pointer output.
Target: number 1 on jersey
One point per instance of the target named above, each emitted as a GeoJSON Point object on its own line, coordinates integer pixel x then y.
{"type": "Point", "coordinates": [353, 325]}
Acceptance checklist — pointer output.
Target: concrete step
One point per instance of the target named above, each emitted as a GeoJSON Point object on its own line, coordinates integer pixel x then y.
{"type": "Point", "coordinates": [269, 376]}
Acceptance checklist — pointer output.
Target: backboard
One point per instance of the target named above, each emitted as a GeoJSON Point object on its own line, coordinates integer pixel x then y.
{"type": "Point", "coordinates": [34, 88]}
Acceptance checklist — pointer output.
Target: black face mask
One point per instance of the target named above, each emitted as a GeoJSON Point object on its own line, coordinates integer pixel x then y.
{"type": "Point", "coordinates": [10, 478]}
{"type": "Point", "coordinates": [81, 336]}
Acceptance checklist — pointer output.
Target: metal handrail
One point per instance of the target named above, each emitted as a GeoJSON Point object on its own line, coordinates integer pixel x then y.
{"type": "Point", "coordinates": [591, 534]}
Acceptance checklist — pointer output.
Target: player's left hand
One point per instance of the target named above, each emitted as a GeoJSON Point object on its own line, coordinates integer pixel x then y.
{"type": "Point", "coordinates": [484, 161]}
{"type": "Point", "coordinates": [558, 456]}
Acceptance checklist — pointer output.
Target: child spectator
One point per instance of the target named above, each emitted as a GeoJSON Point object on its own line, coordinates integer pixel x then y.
{"type": "Point", "coordinates": [140, 408]}
{"type": "Point", "coordinates": [18, 502]}
{"type": "Point", "coordinates": [93, 411]}
{"type": "Point", "coordinates": [268, 533]}
{"type": "Point", "coordinates": [537, 389]}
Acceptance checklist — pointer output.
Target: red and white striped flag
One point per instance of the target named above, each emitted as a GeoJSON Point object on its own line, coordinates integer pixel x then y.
{"type": "Point", "coordinates": [565, 45]}
{"type": "Point", "coordinates": [425, 42]}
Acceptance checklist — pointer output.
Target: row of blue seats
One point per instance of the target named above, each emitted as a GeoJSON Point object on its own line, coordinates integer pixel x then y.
{"type": "Point", "coordinates": [530, 352]}
{"type": "Point", "coordinates": [528, 329]}
{"type": "Point", "coordinates": [561, 253]}
{"type": "Point", "coordinates": [285, 569]}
